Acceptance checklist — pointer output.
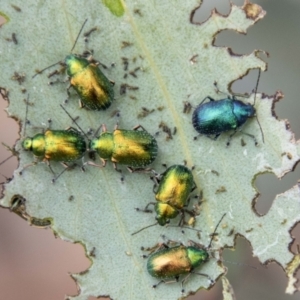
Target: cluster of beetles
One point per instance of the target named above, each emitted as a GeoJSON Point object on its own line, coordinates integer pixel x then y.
{"type": "Point", "coordinates": [137, 149]}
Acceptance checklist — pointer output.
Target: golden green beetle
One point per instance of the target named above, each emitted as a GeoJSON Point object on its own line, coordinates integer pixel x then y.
{"type": "Point", "coordinates": [172, 262]}
{"type": "Point", "coordinates": [172, 193]}
{"type": "Point", "coordinates": [134, 148]}
{"type": "Point", "coordinates": [172, 190]}
{"type": "Point", "coordinates": [56, 145]}
{"type": "Point", "coordinates": [92, 86]}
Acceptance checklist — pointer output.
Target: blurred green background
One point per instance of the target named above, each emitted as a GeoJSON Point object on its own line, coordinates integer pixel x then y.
{"type": "Point", "coordinates": [35, 265]}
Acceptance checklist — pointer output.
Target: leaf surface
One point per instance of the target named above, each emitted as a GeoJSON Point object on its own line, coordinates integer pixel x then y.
{"type": "Point", "coordinates": [170, 60]}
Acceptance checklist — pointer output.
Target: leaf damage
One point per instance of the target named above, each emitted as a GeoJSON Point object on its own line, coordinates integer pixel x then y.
{"type": "Point", "coordinates": [101, 216]}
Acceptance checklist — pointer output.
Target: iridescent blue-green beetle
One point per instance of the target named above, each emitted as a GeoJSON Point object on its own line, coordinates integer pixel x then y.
{"type": "Point", "coordinates": [229, 114]}
{"type": "Point", "coordinates": [172, 262]}
{"type": "Point", "coordinates": [94, 89]}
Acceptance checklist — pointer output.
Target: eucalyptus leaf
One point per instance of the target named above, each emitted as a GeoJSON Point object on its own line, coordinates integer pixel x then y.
{"type": "Point", "coordinates": [159, 60]}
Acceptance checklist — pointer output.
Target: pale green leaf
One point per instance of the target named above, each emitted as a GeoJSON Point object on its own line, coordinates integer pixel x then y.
{"type": "Point", "coordinates": [176, 62]}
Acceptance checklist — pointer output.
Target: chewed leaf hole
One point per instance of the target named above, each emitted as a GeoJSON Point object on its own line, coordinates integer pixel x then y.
{"type": "Point", "coordinates": [245, 279]}
{"type": "Point", "coordinates": [268, 185]}
{"type": "Point", "coordinates": [295, 233]}
{"type": "Point", "coordinates": [203, 13]}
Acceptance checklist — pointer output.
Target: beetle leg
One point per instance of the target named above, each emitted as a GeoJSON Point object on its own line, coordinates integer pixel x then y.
{"type": "Point", "coordinates": [217, 89]}
{"type": "Point", "coordinates": [68, 93]}
{"type": "Point", "coordinates": [229, 138]}
{"type": "Point", "coordinates": [216, 136]}
{"type": "Point", "coordinates": [183, 281]}
{"type": "Point", "coordinates": [81, 104]}
{"type": "Point", "coordinates": [66, 168]}
{"type": "Point", "coordinates": [251, 135]}
{"type": "Point", "coordinates": [117, 125]}
{"type": "Point", "coordinates": [57, 80]}
{"type": "Point", "coordinates": [146, 210]}
{"type": "Point", "coordinates": [207, 97]}
{"type": "Point", "coordinates": [48, 164]}
{"type": "Point", "coordinates": [86, 38]}
{"type": "Point", "coordinates": [138, 126]}
{"type": "Point", "coordinates": [194, 186]}
{"type": "Point", "coordinates": [102, 65]}
{"type": "Point", "coordinates": [103, 128]}
{"type": "Point", "coordinates": [176, 279]}
{"type": "Point", "coordinates": [27, 166]}
{"type": "Point", "coordinates": [88, 55]}
{"type": "Point", "coordinates": [156, 180]}
{"type": "Point", "coordinates": [202, 274]}
{"type": "Point", "coordinates": [243, 132]}
{"type": "Point", "coordinates": [182, 218]}
{"type": "Point", "coordinates": [155, 248]}
{"type": "Point", "coordinates": [116, 168]}
{"type": "Point", "coordinates": [156, 285]}
{"type": "Point", "coordinates": [140, 170]}
{"type": "Point", "coordinates": [196, 137]}
{"type": "Point", "coordinates": [91, 163]}
{"type": "Point", "coordinates": [190, 212]}
{"type": "Point", "coordinates": [55, 72]}
{"type": "Point", "coordinates": [155, 185]}
{"type": "Point", "coordinates": [200, 197]}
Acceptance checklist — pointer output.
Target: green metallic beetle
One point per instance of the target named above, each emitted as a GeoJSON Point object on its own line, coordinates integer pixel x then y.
{"type": "Point", "coordinates": [94, 89]}
{"type": "Point", "coordinates": [134, 148]}
{"type": "Point", "coordinates": [92, 86]}
{"type": "Point", "coordinates": [56, 145]}
{"type": "Point", "coordinates": [173, 262]}
{"type": "Point", "coordinates": [172, 190]}
{"type": "Point", "coordinates": [176, 261]}
{"type": "Point", "coordinates": [172, 194]}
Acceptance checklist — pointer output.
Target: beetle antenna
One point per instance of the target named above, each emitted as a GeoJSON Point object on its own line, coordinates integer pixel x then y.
{"type": "Point", "coordinates": [213, 234]}
{"type": "Point", "coordinates": [97, 130]}
{"type": "Point", "coordinates": [74, 121]}
{"type": "Point", "coordinates": [238, 264]}
{"type": "Point", "coordinates": [26, 113]}
{"type": "Point", "coordinates": [144, 228]}
{"type": "Point", "coordinates": [259, 71]}
{"type": "Point", "coordinates": [79, 34]}
{"type": "Point", "coordinates": [41, 71]}
{"type": "Point", "coordinates": [6, 178]}
{"type": "Point", "coordinates": [185, 227]}
{"type": "Point", "coordinates": [262, 133]}
{"type": "Point", "coordinates": [14, 153]}
{"type": "Point", "coordinates": [64, 170]}
{"type": "Point", "coordinates": [6, 159]}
